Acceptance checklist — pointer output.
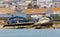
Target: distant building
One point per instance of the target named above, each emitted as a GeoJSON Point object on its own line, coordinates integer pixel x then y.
{"type": "Point", "coordinates": [23, 4]}
{"type": "Point", "coordinates": [45, 3]}
{"type": "Point", "coordinates": [7, 11]}
{"type": "Point", "coordinates": [42, 11]}
{"type": "Point", "coordinates": [57, 3]}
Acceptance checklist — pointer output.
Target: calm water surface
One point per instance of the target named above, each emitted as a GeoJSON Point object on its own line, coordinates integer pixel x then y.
{"type": "Point", "coordinates": [29, 33]}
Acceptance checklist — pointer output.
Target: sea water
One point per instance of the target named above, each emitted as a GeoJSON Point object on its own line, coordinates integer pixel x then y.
{"type": "Point", "coordinates": [29, 32]}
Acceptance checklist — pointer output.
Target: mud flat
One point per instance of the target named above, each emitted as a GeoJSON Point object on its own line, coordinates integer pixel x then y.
{"type": "Point", "coordinates": [1, 26]}
{"type": "Point", "coordinates": [56, 26]}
